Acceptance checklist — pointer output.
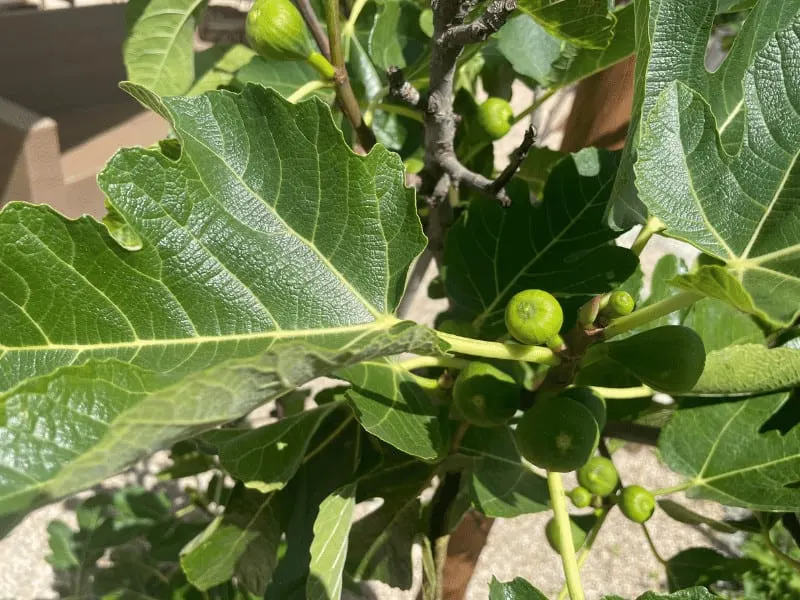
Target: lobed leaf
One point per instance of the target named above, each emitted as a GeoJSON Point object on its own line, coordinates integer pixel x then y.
{"type": "Point", "coordinates": [744, 453]}
{"type": "Point", "coordinates": [749, 369]}
{"type": "Point", "coordinates": [107, 355]}
{"type": "Point", "coordinates": [584, 23]}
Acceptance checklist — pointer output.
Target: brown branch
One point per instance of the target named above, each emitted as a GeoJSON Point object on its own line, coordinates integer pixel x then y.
{"type": "Point", "coordinates": [310, 17]}
{"type": "Point", "coordinates": [481, 28]}
{"type": "Point", "coordinates": [402, 90]}
{"type": "Point", "coordinates": [450, 34]}
{"type": "Point", "coordinates": [344, 92]}
{"type": "Point", "coordinates": [516, 159]}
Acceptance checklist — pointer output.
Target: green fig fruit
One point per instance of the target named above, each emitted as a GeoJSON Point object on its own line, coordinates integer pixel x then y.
{"type": "Point", "coordinates": [485, 396]}
{"type": "Point", "coordinates": [591, 400]}
{"type": "Point", "coordinates": [637, 503]}
{"type": "Point", "coordinates": [276, 30]}
{"type": "Point", "coordinates": [557, 434]}
{"type": "Point", "coordinates": [581, 497]}
{"type": "Point", "coordinates": [599, 476]}
{"type": "Point", "coordinates": [496, 117]}
{"type": "Point", "coordinates": [533, 317]}
{"type": "Point", "coordinates": [553, 534]}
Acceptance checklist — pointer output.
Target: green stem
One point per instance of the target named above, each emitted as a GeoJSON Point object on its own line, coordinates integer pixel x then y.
{"type": "Point", "coordinates": [650, 313]}
{"type": "Point", "coordinates": [403, 111]}
{"type": "Point", "coordinates": [421, 362]}
{"type": "Point", "coordinates": [650, 228]}
{"type": "Point", "coordinates": [535, 354]}
{"type": "Point", "coordinates": [307, 89]}
{"type": "Point", "coordinates": [425, 383]}
{"type": "Point", "coordinates": [787, 560]}
{"type": "Point", "coordinates": [349, 29]}
{"type": "Point", "coordinates": [322, 66]}
{"type": "Point", "coordinates": [559, 501]}
{"type": "Point", "coordinates": [652, 545]}
{"type": "Point", "coordinates": [583, 554]}
{"type": "Point", "coordinates": [535, 105]}
{"type": "Point", "coordinates": [623, 393]}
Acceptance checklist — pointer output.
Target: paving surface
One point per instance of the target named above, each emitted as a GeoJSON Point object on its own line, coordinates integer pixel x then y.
{"type": "Point", "coordinates": [620, 563]}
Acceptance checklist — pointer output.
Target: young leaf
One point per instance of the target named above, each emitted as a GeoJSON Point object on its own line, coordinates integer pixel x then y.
{"type": "Point", "coordinates": [695, 593]}
{"type": "Point", "coordinates": [704, 566]}
{"type": "Point", "coordinates": [159, 47]}
{"type": "Point", "coordinates": [329, 548]}
{"type": "Point", "coordinates": [121, 353]}
{"type": "Point", "coordinates": [60, 538]}
{"type": "Point", "coordinates": [249, 533]}
{"type": "Point", "coordinates": [671, 40]}
{"type": "Point", "coordinates": [392, 407]}
{"type": "Point", "coordinates": [749, 369]}
{"type": "Point", "coordinates": [517, 589]}
{"type": "Point", "coordinates": [266, 458]}
{"type": "Point", "coordinates": [502, 484]}
{"type": "Point", "coordinates": [492, 252]}
{"type": "Point", "coordinates": [680, 155]}
{"type": "Point", "coordinates": [396, 39]}
{"type": "Point", "coordinates": [744, 453]}
{"type": "Point", "coordinates": [584, 23]}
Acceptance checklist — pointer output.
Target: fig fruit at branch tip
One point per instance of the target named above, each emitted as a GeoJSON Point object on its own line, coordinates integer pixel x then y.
{"type": "Point", "coordinates": [533, 317]}
{"type": "Point", "coordinates": [637, 503]}
{"type": "Point", "coordinates": [496, 117]}
{"type": "Point", "coordinates": [620, 304]}
{"type": "Point", "coordinates": [485, 396]}
{"type": "Point", "coordinates": [277, 31]}
{"type": "Point", "coordinates": [599, 476]}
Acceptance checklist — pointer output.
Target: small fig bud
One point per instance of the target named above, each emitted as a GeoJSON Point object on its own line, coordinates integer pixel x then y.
{"type": "Point", "coordinates": [620, 304]}
{"type": "Point", "coordinates": [534, 317]}
{"type": "Point", "coordinates": [581, 497]}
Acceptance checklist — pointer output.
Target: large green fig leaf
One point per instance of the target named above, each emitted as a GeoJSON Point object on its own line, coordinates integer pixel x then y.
{"type": "Point", "coordinates": [560, 246]}
{"type": "Point", "coordinates": [502, 484]}
{"type": "Point", "coordinates": [391, 406]}
{"type": "Point", "coordinates": [748, 369]}
{"type": "Point", "coordinates": [693, 185]}
{"type": "Point", "coordinates": [556, 63]}
{"type": "Point", "coordinates": [584, 23]}
{"type": "Point", "coordinates": [250, 533]}
{"type": "Point", "coordinates": [744, 453]}
{"type": "Point", "coordinates": [159, 47]}
{"type": "Point", "coordinates": [671, 40]}
{"type": "Point", "coordinates": [270, 254]}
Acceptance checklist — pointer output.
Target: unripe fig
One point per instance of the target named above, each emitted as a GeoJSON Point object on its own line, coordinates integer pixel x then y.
{"type": "Point", "coordinates": [620, 303]}
{"type": "Point", "coordinates": [591, 400]}
{"type": "Point", "coordinates": [557, 434]}
{"type": "Point", "coordinates": [534, 317]}
{"type": "Point", "coordinates": [552, 532]}
{"type": "Point", "coordinates": [599, 476]}
{"type": "Point", "coordinates": [276, 30]}
{"type": "Point", "coordinates": [485, 396]}
{"type": "Point", "coordinates": [637, 503]}
{"type": "Point", "coordinates": [496, 117]}
{"type": "Point", "coordinates": [581, 497]}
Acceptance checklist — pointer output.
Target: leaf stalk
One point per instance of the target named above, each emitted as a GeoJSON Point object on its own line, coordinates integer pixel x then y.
{"type": "Point", "coordinates": [570, 563]}
{"type": "Point", "coordinates": [535, 354]}
{"type": "Point", "coordinates": [650, 313]}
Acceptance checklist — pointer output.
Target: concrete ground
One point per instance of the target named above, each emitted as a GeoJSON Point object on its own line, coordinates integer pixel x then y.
{"type": "Point", "coordinates": [621, 561]}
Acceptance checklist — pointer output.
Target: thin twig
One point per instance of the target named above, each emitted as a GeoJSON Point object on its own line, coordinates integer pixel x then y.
{"type": "Point", "coordinates": [515, 160]}
{"type": "Point", "coordinates": [401, 89]}
{"type": "Point", "coordinates": [310, 17]}
{"type": "Point", "coordinates": [450, 33]}
{"type": "Point", "coordinates": [347, 99]}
